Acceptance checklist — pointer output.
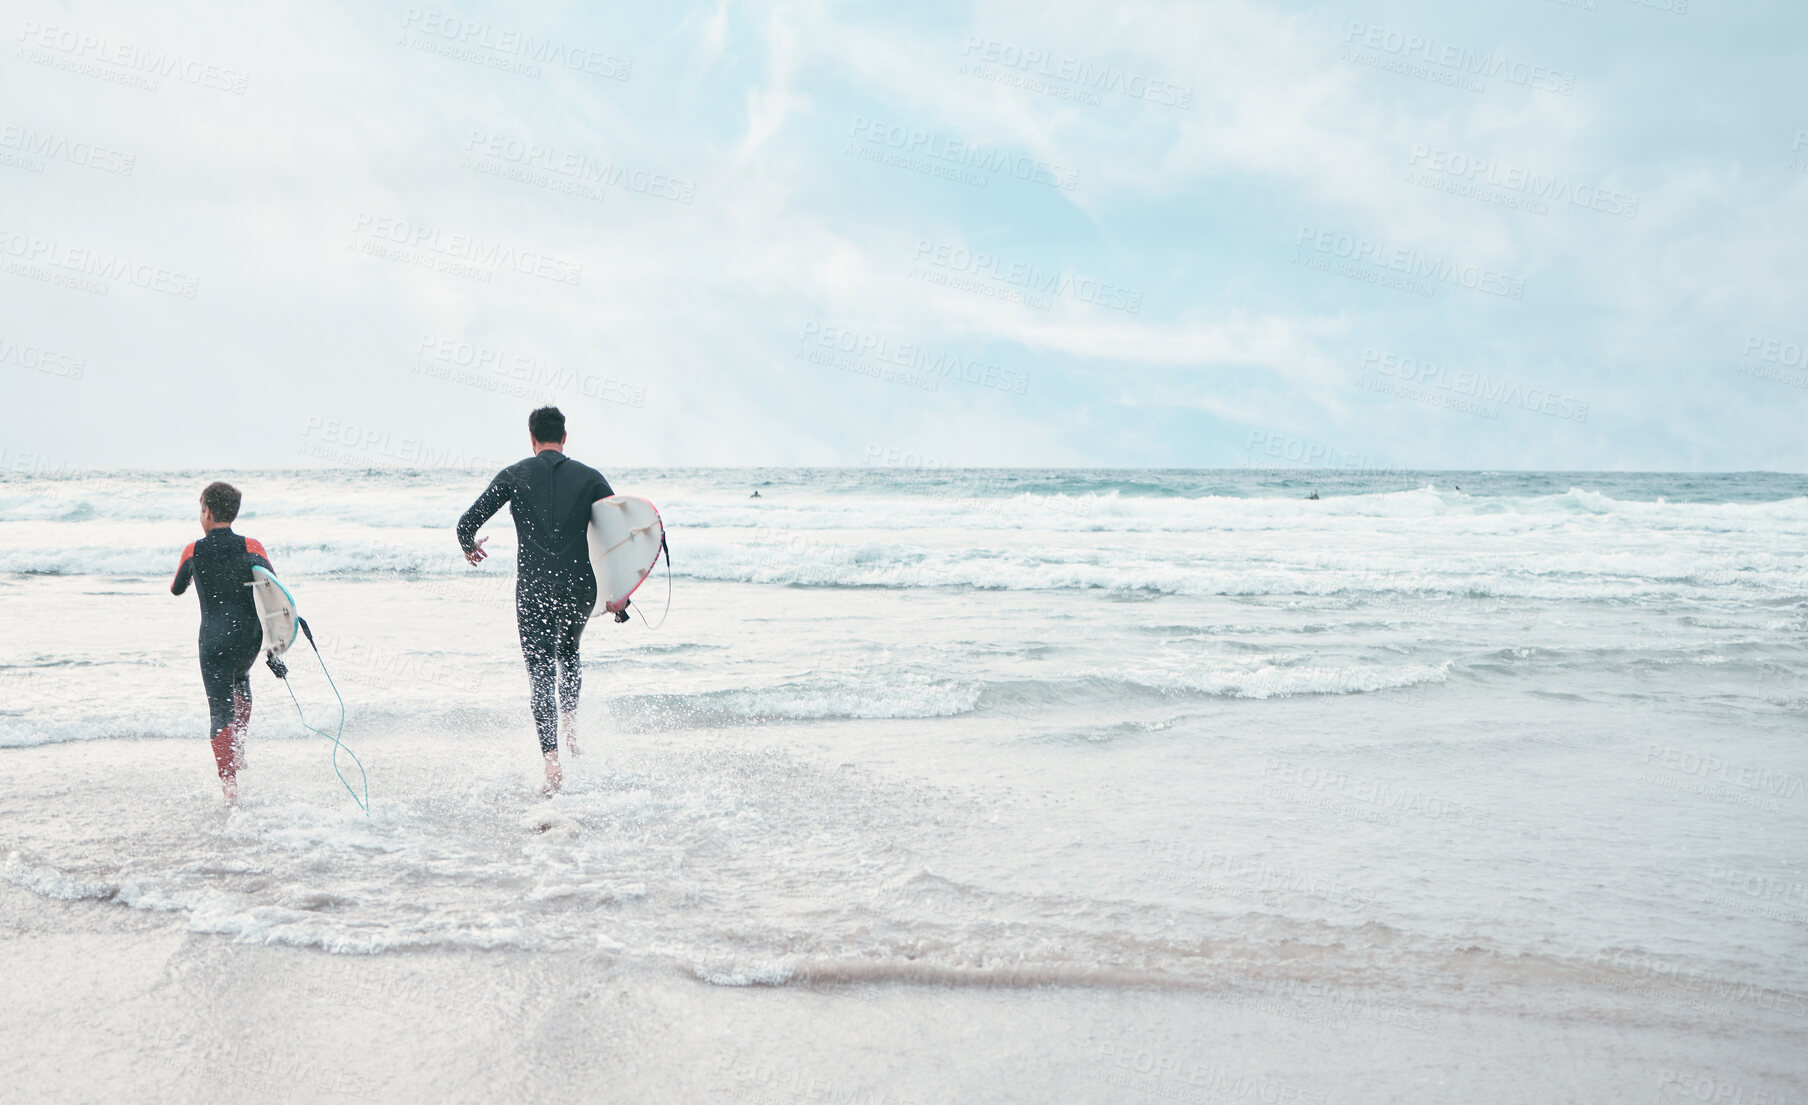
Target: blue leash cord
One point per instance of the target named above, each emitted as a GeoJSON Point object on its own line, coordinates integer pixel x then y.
{"type": "Point", "coordinates": [282, 673]}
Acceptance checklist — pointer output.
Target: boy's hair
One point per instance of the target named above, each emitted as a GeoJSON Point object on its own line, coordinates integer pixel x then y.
{"type": "Point", "coordinates": [547, 425]}
{"type": "Point", "coordinates": [221, 500]}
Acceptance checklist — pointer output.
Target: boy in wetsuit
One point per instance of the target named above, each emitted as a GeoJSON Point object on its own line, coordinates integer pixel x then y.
{"type": "Point", "coordinates": [219, 565]}
{"type": "Point", "coordinates": [549, 496]}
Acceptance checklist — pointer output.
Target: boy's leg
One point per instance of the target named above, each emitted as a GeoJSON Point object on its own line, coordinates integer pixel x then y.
{"type": "Point", "coordinates": [217, 678]}
{"type": "Point", "coordinates": [241, 715]}
{"type": "Point", "coordinates": [241, 700]}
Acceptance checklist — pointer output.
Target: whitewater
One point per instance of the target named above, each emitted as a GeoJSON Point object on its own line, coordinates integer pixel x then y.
{"type": "Point", "coordinates": [1068, 785]}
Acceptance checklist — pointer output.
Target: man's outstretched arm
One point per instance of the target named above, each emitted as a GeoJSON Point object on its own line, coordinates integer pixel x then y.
{"type": "Point", "coordinates": [485, 508]}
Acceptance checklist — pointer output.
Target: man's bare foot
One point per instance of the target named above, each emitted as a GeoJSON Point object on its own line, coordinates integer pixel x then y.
{"type": "Point", "coordinates": [569, 723]}
{"type": "Point", "coordinates": [230, 787]}
{"type": "Point", "coordinates": [555, 778]}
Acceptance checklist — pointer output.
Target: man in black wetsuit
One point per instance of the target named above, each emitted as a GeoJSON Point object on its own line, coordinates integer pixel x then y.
{"type": "Point", "coordinates": [219, 565]}
{"type": "Point", "coordinates": [549, 495]}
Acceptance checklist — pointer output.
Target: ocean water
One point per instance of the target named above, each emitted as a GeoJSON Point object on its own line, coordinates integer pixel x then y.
{"type": "Point", "coordinates": [1434, 742]}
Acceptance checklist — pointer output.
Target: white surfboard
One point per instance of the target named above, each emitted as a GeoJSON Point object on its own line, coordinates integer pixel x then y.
{"type": "Point", "coordinates": [275, 610]}
{"type": "Point", "coordinates": [625, 538]}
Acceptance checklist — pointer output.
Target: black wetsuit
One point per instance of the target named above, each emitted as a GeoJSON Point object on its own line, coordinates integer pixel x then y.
{"type": "Point", "coordinates": [550, 496]}
{"type": "Point", "coordinates": [220, 566]}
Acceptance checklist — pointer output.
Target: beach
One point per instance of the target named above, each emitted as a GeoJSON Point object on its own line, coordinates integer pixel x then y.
{"type": "Point", "coordinates": [935, 785]}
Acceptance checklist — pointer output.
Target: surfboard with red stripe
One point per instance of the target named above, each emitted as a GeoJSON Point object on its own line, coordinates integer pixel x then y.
{"type": "Point", "coordinates": [626, 535]}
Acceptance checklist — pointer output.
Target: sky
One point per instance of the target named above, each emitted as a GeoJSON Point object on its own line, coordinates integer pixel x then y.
{"type": "Point", "coordinates": [1513, 234]}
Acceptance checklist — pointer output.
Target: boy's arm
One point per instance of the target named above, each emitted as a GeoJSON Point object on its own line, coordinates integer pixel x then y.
{"type": "Point", "coordinates": [255, 550]}
{"type": "Point", "coordinates": [185, 571]}
{"type": "Point", "coordinates": [485, 508]}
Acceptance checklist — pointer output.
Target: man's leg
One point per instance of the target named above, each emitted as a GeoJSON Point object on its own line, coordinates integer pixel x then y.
{"type": "Point", "coordinates": [581, 603]}
{"type": "Point", "coordinates": [571, 674]}
{"type": "Point", "coordinates": [539, 647]}
{"type": "Point", "coordinates": [542, 679]}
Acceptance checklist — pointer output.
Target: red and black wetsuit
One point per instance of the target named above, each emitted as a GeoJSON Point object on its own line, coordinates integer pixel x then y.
{"type": "Point", "coordinates": [549, 496]}
{"type": "Point", "coordinates": [220, 566]}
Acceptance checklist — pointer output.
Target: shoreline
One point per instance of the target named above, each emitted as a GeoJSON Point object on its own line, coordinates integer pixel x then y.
{"type": "Point", "coordinates": [145, 1010]}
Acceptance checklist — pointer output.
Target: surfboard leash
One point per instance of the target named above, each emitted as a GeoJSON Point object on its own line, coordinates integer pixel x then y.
{"type": "Point", "coordinates": [282, 673]}
{"type": "Point", "coordinates": [667, 553]}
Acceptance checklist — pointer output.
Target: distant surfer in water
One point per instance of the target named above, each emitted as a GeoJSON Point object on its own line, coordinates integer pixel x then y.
{"type": "Point", "coordinates": [219, 565]}
{"type": "Point", "coordinates": [549, 496]}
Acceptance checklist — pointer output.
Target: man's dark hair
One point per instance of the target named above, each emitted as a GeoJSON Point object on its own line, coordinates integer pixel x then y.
{"type": "Point", "coordinates": [221, 500]}
{"type": "Point", "coordinates": [547, 425]}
